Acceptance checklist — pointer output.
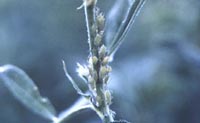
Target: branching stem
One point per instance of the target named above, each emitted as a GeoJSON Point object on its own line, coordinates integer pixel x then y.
{"type": "Point", "coordinates": [69, 113]}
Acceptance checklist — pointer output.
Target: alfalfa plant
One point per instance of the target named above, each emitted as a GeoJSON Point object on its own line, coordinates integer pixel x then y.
{"type": "Point", "coordinates": [95, 74]}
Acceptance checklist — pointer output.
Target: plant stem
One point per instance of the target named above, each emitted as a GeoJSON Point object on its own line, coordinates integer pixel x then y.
{"type": "Point", "coordinates": [89, 9]}
{"type": "Point", "coordinates": [94, 22]}
{"type": "Point", "coordinates": [69, 113]}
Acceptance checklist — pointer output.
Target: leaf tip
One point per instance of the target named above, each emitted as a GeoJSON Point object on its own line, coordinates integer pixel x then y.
{"type": "Point", "coordinates": [6, 67]}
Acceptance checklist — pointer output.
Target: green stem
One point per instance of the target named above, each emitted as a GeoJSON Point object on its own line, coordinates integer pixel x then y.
{"type": "Point", "coordinates": [69, 113]}
{"type": "Point", "coordinates": [90, 21]}
{"type": "Point", "coordinates": [102, 109]}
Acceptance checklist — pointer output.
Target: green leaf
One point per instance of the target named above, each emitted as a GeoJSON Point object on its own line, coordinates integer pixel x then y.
{"type": "Point", "coordinates": [24, 89]}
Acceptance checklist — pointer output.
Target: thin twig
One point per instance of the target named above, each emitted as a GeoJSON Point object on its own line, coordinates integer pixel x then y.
{"type": "Point", "coordinates": [89, 9]}
{"type": "Point", "coordinates": [79, 91]}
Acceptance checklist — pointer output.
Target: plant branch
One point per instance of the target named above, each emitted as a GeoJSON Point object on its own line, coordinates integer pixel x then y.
{"type": "Point", "coordinates": [79, 91]}
{"type": "Point", "coordinates": [69, 113]}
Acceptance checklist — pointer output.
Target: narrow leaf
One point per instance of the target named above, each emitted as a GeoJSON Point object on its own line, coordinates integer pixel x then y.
{"type": "Point", "coordinates": [114, 18]}
{"type": "Point", "coordinates": [24, 89]}
{"type": "Point", "coordinates": [125, 25]}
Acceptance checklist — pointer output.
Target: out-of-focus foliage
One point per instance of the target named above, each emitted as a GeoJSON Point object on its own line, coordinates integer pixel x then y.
{"type": "Point", "coordinates": [24, 89]}
{"type": "Point", "coordinates": [156, 73]}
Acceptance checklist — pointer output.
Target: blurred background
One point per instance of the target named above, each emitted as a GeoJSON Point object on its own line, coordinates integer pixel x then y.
{"type": "Point", "coordinates": [156, 72]}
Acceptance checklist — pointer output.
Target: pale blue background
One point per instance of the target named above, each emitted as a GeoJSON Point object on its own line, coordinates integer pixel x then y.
{"type": "Point", "coordinates": [156, 72]}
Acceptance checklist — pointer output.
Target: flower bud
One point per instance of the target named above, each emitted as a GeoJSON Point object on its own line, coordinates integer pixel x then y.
{"type": "Point", "coordinates": [109, 69]}
{"type": "Point", "coordinates": [93, 29]}
{"type": "Point", "coordinates": [92, 82]}
{"type": "Point", "coordinates": [98, 39]}
{"type": "Point", "coordinates": [108, 97]}
{"type": "Point", "coordinates": [100, 21]}
{"type": "Point", "coordinates": [105, 60]}
{"type": "Point", "coordinates": [102, 51]}
{"type": "Point", "coordinates": [93, 60]}
{"type": "Point", "coordinates": [103, 71]}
